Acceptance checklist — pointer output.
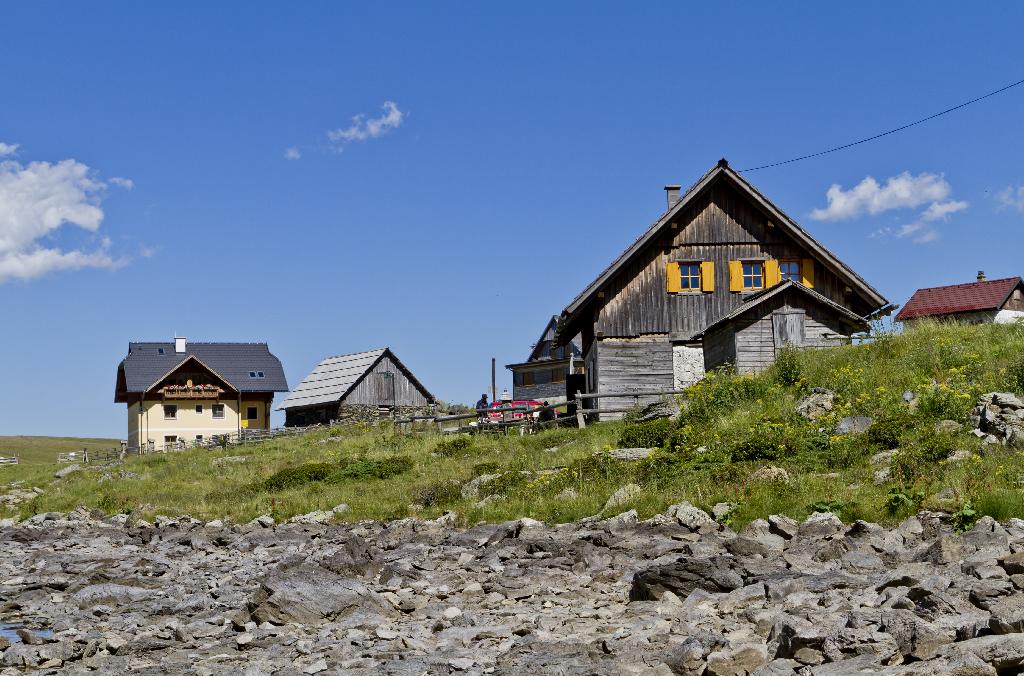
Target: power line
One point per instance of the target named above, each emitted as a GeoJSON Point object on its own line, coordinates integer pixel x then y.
{"type": "Point", "coordinates": [886, 133]}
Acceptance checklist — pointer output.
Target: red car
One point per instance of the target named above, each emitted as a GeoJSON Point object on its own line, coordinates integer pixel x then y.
{"type": "Point", "coordinates": [496, 417]}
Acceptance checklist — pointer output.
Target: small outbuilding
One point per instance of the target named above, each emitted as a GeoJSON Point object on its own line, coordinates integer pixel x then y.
{"type": "Point", "coordinates": [542, 377]}
{"type": "Point", "coordinates": [985, 301]}
{"type": "Point", "coordinates": [359, 387]}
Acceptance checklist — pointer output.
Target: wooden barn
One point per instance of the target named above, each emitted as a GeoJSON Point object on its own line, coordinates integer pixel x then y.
{"type": "Point", "coordinates": [723, 276]}
{"type": "Point", "coordinates": [358, 387]}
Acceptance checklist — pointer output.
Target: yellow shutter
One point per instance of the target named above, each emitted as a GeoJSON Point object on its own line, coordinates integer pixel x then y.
{"type": "Point", "coordinates": [807, 272]}
{"type": "Point", "coordinates": [735, 275]}
{"type": "Point", "coordinates": [673, 283]}
{"type": "Point", "coordinates": [771, 273]}
{"type": "Point", "coordinates": [707, 276]}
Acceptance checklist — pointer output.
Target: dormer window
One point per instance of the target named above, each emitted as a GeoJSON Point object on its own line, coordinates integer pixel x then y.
{"type": "Point", "coordinates": [257, 374]}
{"type": "Point", "coordinates": [159, 350]}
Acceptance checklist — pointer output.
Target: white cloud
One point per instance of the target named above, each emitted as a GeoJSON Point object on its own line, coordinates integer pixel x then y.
{"type": "Point", "coordinates": [1011, 197]}
{"type": "Point", "coordinates": [36, 199]}
{"type": "Point", "coordinates": [899, 192]}
{"type": "Point", "coordinates": [926, 237]}
{"type": "Point", "coordinates": [121, 182]}
{"type": "Point", "coordinates": [940, 210]}
{"type": "Point", "coordinates": [292, 153]}
{"type": "Point", "coordinates": [362, 129]}
{"type": "Point", "coordinates": [8, 149]}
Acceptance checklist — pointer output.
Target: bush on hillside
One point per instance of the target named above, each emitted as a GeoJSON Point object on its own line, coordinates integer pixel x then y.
{"type": "Point", "coordinates": [443, 492]}
{"type": "Point", "coordinates": [945, 402]}
{"type": "Point", "coordinates": [373, 469]}
{"type": "Point", "coordinates": [290, 477]}
{"type": "Point", "coordinates": [1014, 379]}
{"type": "Point", "coordinates": [786, 370]}
{"type": "Point", "coordinates": [650, 434]}
{"type": "Point", "coordinates": [921, 453]}
{"type": "Point", "coordinates": [888, 427]}
{"type": "Point", "coordinates": [453, 445]}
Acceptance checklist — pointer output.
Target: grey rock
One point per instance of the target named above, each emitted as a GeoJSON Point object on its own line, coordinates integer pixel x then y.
{"type": "Point", "coordinates": [66, 471]}
{"type": "Point", "coordinates": [631, 454]}
{"type": "Point", "coordinates": [737, 661]}
{"type": "Point", "coordinates": [854, 424]}
{"type": "Point", "coordinates": [692, 517]}
{"type": "Point", "coordinates": [770, 474]}
{"type": "Point", "coordinates": [816, 404]}
{"type": "Point", "coordinates": [309, 594]}
{"type": "Point", "coordinates": [625, 494]}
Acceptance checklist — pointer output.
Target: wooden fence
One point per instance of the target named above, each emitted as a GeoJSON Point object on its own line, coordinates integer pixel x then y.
{"type": "Point", "coordinates": [515, 418]}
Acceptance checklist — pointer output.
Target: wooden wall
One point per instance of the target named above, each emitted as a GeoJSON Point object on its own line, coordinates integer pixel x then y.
{"type": "Point", "coordinates": [720, 226]}
{"type": "Point", "coordinates": [367, 390]}
{"type": "Point", "coordinates": [751, 339]}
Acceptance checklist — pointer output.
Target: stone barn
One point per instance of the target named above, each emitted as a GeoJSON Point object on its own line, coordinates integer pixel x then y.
{"type": "Point", "coordinates": [360, 387]}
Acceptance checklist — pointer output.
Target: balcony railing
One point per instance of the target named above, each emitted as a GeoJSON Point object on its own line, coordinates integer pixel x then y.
{"type": "Point", "coordinates": [191, 391]}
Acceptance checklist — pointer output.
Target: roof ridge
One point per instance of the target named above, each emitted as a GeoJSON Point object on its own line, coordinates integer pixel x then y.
{"type": "Point", "coordinates": [974, 283]}
{"type": "Point", "coordinates": [352, 354]}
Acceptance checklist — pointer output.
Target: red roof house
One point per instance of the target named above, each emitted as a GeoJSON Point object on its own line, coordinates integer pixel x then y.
{"type": "Point", "coordinates": [986, 300]}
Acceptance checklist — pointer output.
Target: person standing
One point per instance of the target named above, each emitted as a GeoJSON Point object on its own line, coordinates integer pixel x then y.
{"type": "Point", "coordinates": [482, 405]}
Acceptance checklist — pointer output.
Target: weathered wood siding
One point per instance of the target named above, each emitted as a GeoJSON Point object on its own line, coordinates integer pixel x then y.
{"type": "Point", "coordinates": [640, 365]}
{"type": "Point", "coordinates": [719, 347]}
{"type": "Point", "coordinates": [720, 226]}
{"type": "Point", "coordinates": [544, 386]}
{"type": "Point", "coordinates": [755, 341]}
{"type": "Point", "coordinates": [368, 392]}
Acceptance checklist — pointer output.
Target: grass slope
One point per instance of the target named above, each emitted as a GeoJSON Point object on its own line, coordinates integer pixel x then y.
{"type": "Point", "coordinates": [32, 449]}
{"type": "Point", "coordinates": [731, 427]}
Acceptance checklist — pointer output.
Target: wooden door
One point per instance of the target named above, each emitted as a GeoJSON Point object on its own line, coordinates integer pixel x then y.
{"type": "Point", "coordinates": [386, 389]}
{"type": "Point", "coordinates": [788, 328]}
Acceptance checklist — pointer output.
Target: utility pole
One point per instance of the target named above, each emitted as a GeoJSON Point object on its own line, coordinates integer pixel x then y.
{"type": "Point", "coordinates": [494, 380]}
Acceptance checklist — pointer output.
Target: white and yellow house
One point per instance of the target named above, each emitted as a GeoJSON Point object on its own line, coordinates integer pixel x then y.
{"type": "Point", "coordinates": [193, 392]}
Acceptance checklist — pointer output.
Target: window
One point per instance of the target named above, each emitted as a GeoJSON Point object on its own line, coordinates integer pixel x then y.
{"type": "Point", "coordinates": [256, 374]}
{"type": "Point", "coordinates": [558, 375]}
{"type": "Point", "coordinates": [170, 439]}
{"type": "Point", "coordinates": [199, 438]}
{"type": "Point", "coordinates": [199, 409]}
{"type": "Point", "coordinates": [252, 413]}
{"type": "Point", "coordinates": [528, 378]}
{"type": "Point", "coordinates": [753, 275]}
{"type": "Point", "coordinates": [170, 412]}
{"type": "Point", "coordinates": [789, 270]}
{"type": "Point", "coordinates": [159, 350]}
{"type": "Point", "coordinates": [218, 411]}
{"type": "Point", "coordinates": [689, 276]}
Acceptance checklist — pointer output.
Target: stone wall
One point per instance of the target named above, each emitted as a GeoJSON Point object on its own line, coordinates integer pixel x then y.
{"type": "Point", "coordinates": [687, 365]}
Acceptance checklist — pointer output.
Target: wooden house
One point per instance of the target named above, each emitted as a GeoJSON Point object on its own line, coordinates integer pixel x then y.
{"type": "Point", "coordinates": [181, 392]}
{"type": "Point", "coordinates": [543, 375]}
{"type": "Point", "coordinates": [723, 276]}
{"type": "Point", "coordinates": [985, 301]}
{"type": "Point", "coordinates": [363, 386]}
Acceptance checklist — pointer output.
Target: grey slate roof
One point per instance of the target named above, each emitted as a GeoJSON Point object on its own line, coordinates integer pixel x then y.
{"type": "Point", "coordinates": [333, 377]}
{"type": "Point", "coordinates": [145, 366]}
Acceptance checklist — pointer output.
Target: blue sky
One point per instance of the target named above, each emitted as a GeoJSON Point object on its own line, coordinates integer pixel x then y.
{"type": "Point", "coordinates": [505, 154]}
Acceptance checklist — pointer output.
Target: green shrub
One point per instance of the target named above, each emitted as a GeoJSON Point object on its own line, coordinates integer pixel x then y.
{"type": "Point", "coordinates": [373, 469]}
{"type": "Point", "coordinates": [921, 454]}
{"type": "Point", "coordinates": [290, 477]}
{"type": "Point", "coordinates": [1014, 378]}
{"type": "Point", "coordinates": [786, 369]}
{"type": "Point", "coordinates": [719, 392]}
{"type": "Point", "coordinates": [482, 468]}
{"type": "Point", "coordinates": [902, 502]}
{"type": "Point", "coordinates": [945, 402]}
{"type": "Point", "coordinates": [453, 445]}
{"type": "Point", "coordinates": [887, 429]}
{"type": "Point", "coordinates": [963, 519]}
{"type": "Point", "coordinates": [650, 434]}
{"type": "Point", "coordinates": [443, 492]}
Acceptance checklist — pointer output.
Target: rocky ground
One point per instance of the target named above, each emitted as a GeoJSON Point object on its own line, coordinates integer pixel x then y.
{"type": "Point", "coordinates": [678, 593]}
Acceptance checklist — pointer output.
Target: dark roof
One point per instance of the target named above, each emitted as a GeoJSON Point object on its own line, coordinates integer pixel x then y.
{"type": "Point", "coordinates": [145, 366]}
{"type": "Point", "coordinates": [761, 296]}
{"type": "Point", "coordinates": [719, 172]}
{"type": "Point", "coordinates": [334, 377]}
{"type": "Point", "coordinates": [538, 354]}
{"type": "Point", "coordinates": [945, 300]}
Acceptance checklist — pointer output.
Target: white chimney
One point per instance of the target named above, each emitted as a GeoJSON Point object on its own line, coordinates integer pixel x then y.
{"type": "Point", "coordinates": [179, 344]}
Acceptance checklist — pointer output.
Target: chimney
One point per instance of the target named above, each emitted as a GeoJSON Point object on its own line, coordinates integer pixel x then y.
{"type": "Point", "coordinates": [981, 275]}
{"type": "Point", "coordinates": [179, 344]}
{"type": "Point", "coordinates": [672, 193]}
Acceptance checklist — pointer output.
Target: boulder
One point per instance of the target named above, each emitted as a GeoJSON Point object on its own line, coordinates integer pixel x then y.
{"type": "Point", "coordinates": [627, 493]}
{"type": "Point", "coordinates": [65, 471]}
{"type": "Point", "coordinates": [1005, 653]}
{"type": "Point", "coordinates": [816, 404]}
{"type": "Point", "coordinates": [658, 409]}
{"type": "Point", "coordinates": [310, 594]}
{"type": "Point", "coordinates": [630, 454]}
{"type": "Point", "coordinates": [854, 424]}
{"type": "Point", "coordinates": [738, 661]}
{"type": "Point", "coordinates": [770, 474]}
{"type": "Point", "coordinates": [711, 574]}
{"type": "Point", "coordinates": [692, 517]}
